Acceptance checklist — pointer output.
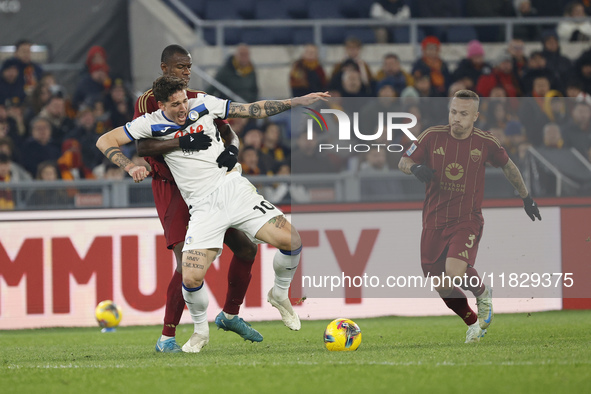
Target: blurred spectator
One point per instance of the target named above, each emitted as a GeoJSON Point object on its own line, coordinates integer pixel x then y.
{"type": "Point", "coordinates": [392, 74]}
{"type": "Point", "coordinates": [375, 162]}
{"type": "Point", "coordinates": [574, 30]}
{"type": "Point", "coordinates": [473, 66]}
{"type": "Point", "coordinates": [254, 138]}
{"type": "Point", "coordinates": [497, 115]}
{"type": "Point", "coordinates": [11, 91]}
{"type": "Point", "coordinates": [537, 67]}
{"type": "Point", "coordinates": [553, 136]}
{"type": "Point", "coordinates": [432, 65]}
{"type": "Point", "coordinates": [352, 61]}
{"type": "Point", "coordinates": [388, 10]}
{"type": "Point", "coordinates": [307, 160]}
{"type": "Point", "coordinates": [524, 9]}
{"type": "Point", "coordinates": [17, 172]}
{"type": "Point", "coordinates": [501, 75]}
{"type": "Point", "coordinates": [87, 134]}
{"type": "Point", "coordinates": [307, 74]}
{"type": "Point", "coordinates": [574, 87]}
{"type": "Point", "coordinates": [17, 126]}
{"type": "Point", "coordinates": [555, 62]}
{"type": "Point", "coordinates": [38, 146]}
{"type": "Point", "coordinates": [577, 132]}
{"type": "Point", "coordinates": [273, 152]}
{"type": "Point", "coordinates": [55, 112]}
{"type": "Point", "coordinates": [454, 87]}
{"type": "Point", "coordinates": [118, 104]}
{"type": "Point", "coordinates": [582, 70]}
{"type": "Point", "coordinates": [29, 72]}
{"type": "Point", "coordinates": [284, 192]}
{"type": "Point", "coordinates": [352, 84]}
{"type": "Point", "coordinates": [555, 107]}
{"type": "Point", "coordinates": [249, 159]}
{"type": "Point", "coordinates": [516, 49]}
{"type": "Point", "coordinates": [47, 171]}
{"type": "Point", "coordinates": [369, 115]}
{"type": "Point", "coordinates": [532, 113]}
{"type": "Point", "coordinates": [114, 172]}
{"type": "Point", "coordinates": [6, 198]}
{"type": "Point", "coordinates": [96, 81]}
{"type": "Point", "coordinates": [489, 9]}
{"type": "Point", "coordinates": [514, 139]}
{"type": "Point", "coordinates": [70, 162]}
{"type": "Point", "coordinates": [239, 75]}
{"type": "Point", "coordinates": [37, 100]}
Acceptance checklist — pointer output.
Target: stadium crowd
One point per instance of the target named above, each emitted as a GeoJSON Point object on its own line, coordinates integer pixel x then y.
{"type": "Point", "coordinates": [47, 133]}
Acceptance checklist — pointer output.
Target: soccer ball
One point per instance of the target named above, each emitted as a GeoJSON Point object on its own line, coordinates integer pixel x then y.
{"type": "Point", "coordinates": [342, 335]}
{"type": "Point", "coordinates": [108, 314]}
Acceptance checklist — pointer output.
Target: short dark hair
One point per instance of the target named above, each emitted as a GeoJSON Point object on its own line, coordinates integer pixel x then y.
{"type": "Point", "coordinates": [167, 85]}
{"type": "Point", "coordinates": [172, 50]}
{"type": "Point", "coordinates": [466, 94]}
{"type": "Point", "coordinates": [391, 56]}
{"type": "Point", "coordinates": [20, 43]}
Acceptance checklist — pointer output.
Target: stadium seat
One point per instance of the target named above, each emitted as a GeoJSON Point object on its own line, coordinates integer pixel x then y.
{"type": "Point", "coordinates": [402, 34]}
{"type": "Point", "coordinates": [355, 8]}
{"type": "Point", "coordinates": [268, 36]}
{"type": "Point", "coordinates": [270, 9]}
{"type": "Point", "coordinates": [220, 10]}
{"type": "Point", "coordinates": [197, 6]}
{"type": "Point", "coordinates": [334, 34]}
{"type": "Point", "coordinates": [244, 8]}
{"type": "Point", "coordinates": [298, 9]}
{"type": "Point", "coordinates": [324, 9]}
{"type": "Point", "coordinates": [461, 34]}
{"type": "Point", "coordinates": [303, 35]}
{"type": "Point", "coordinates": [232, 36]}
{"type": "Point", "coordinates": [365, 34]}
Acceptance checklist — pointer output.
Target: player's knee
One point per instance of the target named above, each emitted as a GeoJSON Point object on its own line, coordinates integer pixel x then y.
{"type": "Point", "coordinates": [192, 282]}
{"type": "Point", "coordinates": [247, 251]}
{"type": "Point", "coordinates": [290, 241]}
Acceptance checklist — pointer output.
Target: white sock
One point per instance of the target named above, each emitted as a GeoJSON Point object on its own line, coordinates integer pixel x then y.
{"type": "Point", "coordinates": [197, 301]}
{"type": "Point", "coordinates": [228, 316]}
{"type": "Point", "coordinates": [165, 337]}
{"type": "Point", "coordinates": [285, 267]}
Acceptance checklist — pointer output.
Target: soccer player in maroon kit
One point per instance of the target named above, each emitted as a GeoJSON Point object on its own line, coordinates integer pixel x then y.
{"type": "Point", "coordinates": [174, 213]}
{"type": "Point", "coordinates": [451, 159]}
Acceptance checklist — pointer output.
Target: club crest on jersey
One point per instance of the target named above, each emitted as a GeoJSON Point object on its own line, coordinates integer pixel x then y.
{"type": "Point", "coordinates": [412, 148]}
{"type": "Point", "coordinates": [193, 115]}
{"type": "Point", "coordinates": [475, 154]}
{"type": "Point", "coordinates": [189, 240]}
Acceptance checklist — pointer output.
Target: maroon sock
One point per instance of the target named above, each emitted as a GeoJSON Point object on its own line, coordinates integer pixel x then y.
{"type": "Point", "coordinates": [175, 304]}
{"type": "Point", "coordinates": [479, 288]}
{"type": "Point", "coordinates": [458, 303]}
{"type": "Point", "coordinates": [238, 280]}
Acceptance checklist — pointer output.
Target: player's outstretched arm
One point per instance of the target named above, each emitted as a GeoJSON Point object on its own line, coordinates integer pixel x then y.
{"type": "Point", "coordinates": [266, 108]}
{"type": "Point", "coordinates": [110, 144]}
{"type": "Point", "coordinates": [513, 174]}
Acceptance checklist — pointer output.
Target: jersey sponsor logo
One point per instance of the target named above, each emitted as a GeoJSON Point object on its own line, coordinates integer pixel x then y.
{"type": "Point", "coordinates": [164, 129]}
{"type": "Point", "coordinates": [439, 151]}
{"type": "Point", "coordinates": [464, 254]}
{"type": "Point", "coordinates": [475, 154]}
{"type": "Point", "coordinates": [454, 171]}
{"type": "Point", "coordinates": [471, 238]}
{"type": "Point", "coordinates": [410, 150]}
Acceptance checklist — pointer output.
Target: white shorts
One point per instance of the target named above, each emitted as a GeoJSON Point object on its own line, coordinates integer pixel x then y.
{"type": "Point", "coordinates": [236, 204]}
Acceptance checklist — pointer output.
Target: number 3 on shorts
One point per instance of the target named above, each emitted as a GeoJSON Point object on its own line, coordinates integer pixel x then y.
{"type": "Point", "coordinates": [264, 205]}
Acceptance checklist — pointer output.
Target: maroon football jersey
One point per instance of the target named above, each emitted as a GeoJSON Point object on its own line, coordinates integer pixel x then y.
{"type": "Point", "coordinates": [456, 191]}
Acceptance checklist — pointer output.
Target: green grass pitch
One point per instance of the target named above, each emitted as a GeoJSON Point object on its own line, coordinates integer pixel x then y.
{"type": "Point", "coordinates": [522, 353]}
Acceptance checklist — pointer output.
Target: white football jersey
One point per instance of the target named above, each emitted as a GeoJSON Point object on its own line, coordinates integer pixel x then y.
{"type": "Point", "coordinates": [196, 173]}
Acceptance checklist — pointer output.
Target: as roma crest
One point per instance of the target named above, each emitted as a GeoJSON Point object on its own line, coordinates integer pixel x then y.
{"type": "Point", "coordinates": [475, 154]}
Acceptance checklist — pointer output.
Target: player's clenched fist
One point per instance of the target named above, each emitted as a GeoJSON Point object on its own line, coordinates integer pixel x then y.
{"type": "Point", "coordinates": [138, 173]}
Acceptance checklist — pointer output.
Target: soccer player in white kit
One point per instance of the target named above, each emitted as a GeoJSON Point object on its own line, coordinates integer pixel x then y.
{"type": "Point", "coordinates": [218, 197]}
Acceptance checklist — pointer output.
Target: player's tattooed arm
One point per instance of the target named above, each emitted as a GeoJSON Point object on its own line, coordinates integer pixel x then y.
{"type": "Point", "coordinates": [514, 176]}
{"type": "Point", "coordinates": [259, 109]}
{"type": "Point", "coordinates": [278, 221]}
{"type": "Point", "coordinates": [265, 108]}
{"type": "Point", "coordinates": [405, 164]}
{"type": "Point", "coordinates": [110, 144]}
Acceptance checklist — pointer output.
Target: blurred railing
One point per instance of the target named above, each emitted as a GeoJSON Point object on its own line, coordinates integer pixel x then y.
{"type": "Point", "coordinates": [302, 189]}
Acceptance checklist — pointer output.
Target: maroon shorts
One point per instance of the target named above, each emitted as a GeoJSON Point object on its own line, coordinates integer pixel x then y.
{"type": "Point", "coordinates": [459, 241]}
{"type": "Point", "coordinates": [172, 211]}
